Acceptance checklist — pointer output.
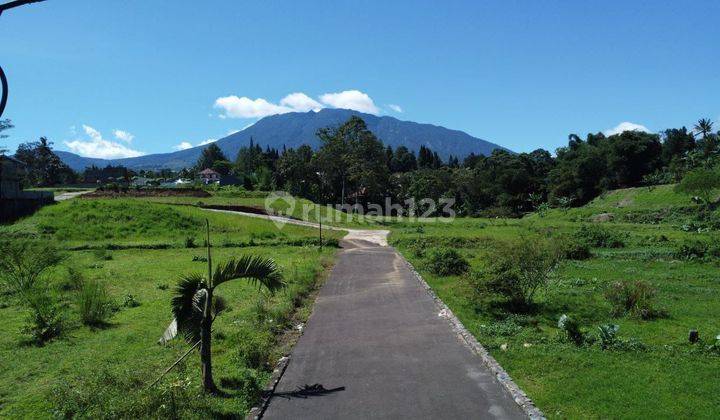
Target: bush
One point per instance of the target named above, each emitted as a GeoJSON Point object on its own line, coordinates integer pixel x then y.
{"type": "Point", "coordinates": [692, 249]}
{"type": "Point", "coordinates": [129, 301]}
{"type": "Point", "coordinates": [599, 237]}
{"type": "Point", "coordinates": [22, 265]}
{"type": "Point", "coordinates": [446, 262]}
{"type": "Point", "coordinates": [74, 279]}
{"type": "Point", "coordinates": [571, 329]}
{"type": "Point", "coordinates": [46, 319]}
{"type": "Point", "coordinates": [516, 271]}
{"type": "Point", "coordinates": [254, 349]}
{"type": "Point", "coordinates": [636, 298]}
{"type": "Point", "coordinates": [23, 262]}
{"type": "Point", "coordinates": [607, 335]}
{"type": "Point", "coordinates": [190, 242]}
{"type": "Point", "coordinates": [94, 304]}
{"type": "Point", "coordinates": [700, 182]}
{"type": "Point", "coordinates": [574, 249]}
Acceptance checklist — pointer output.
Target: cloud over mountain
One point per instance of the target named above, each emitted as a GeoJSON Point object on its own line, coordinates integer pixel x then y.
{"type": "Point", "coordinates": [234, 106]}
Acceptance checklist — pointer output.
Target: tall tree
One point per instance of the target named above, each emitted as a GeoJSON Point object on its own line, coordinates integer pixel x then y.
{"type": "Point", "coordinates": [352, 159]}
{"type": "Point", "coordinates": [704, 127]}
{"type": "Point", "coordinates": [403, 160]}
{"type": "Point", "coordinates": [209, 156]}
{"type": "Point", "coordinates": [44, 167]}
{"type": "Point", "coordinates": [4, 125]}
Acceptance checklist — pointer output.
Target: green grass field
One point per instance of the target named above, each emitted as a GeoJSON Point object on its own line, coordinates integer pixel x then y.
{"type": "Point", "coordinates": [106, 371]}
{"type": "Point", "coordinates": [669, 379]}
{"type": "Point", "coordinates": [140, 247]}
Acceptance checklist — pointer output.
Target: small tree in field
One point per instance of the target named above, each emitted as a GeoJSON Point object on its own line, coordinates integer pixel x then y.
{"type": "Point", "coordinates": [195, 305]}
{"type": "Point", "coordinates": [700, 182]}
{"type": "Point", "coordinates": [517, 270]}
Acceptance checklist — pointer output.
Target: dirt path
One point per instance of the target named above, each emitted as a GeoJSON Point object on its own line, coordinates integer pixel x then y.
{"type": "Point", "coordinates": [378, 341]}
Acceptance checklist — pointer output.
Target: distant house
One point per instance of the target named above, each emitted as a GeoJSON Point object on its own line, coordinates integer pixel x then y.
{"type": "Point", "coordinates": [209, 176]}
{"type": "Point", "coordinates": [14, 202]}
{"type": "Point", "coordinates": [139, 181]}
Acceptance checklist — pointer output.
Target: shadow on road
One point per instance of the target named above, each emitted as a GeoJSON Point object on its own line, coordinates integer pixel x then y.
{"type": "Point", "coordinates": [316, 390]}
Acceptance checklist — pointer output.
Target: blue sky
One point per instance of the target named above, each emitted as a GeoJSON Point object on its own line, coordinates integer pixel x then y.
{"type": "Point", "coordinates": [117, 78]}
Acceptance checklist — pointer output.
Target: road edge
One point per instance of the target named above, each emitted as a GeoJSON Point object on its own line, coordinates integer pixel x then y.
{"type": "Point", "coordinates": [517, 394]}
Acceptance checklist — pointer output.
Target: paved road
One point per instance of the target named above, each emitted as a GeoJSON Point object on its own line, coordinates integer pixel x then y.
{"type": "Point", "coordinates": [375, 331]}
{"type": "Point", "coordinates": [69, 195]}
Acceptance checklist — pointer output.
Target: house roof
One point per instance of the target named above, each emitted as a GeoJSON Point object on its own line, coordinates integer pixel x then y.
{"type": "Point", "coordinates": [12, 159]}
{"type": "Point", "coordinates": [208, 171]}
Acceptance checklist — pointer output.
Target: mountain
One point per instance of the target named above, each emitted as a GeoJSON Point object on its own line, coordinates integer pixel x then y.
{"type": "Point", "coordinates": [297, 128]}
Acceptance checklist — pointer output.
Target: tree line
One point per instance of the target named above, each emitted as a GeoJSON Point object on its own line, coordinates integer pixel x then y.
{"type": "Point", "coordinates": [352, 165]}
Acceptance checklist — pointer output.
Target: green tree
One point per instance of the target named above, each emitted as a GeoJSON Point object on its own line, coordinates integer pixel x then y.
{"type": "Point", "coordinates": [352, 159]}
{"type": "Point", "coordinates": [704, 127]}
{"type": "Point", "coordinates": [195, 304]}
{"type": "Point", "coordinates": [4, 125]}
{"type": "Point", "coordinates": [701, 182]}
{"type": "Point", "coordinates": [44, 167]}
{"type": "Point", "coordinates": [403, 160]}
{"type": "Point", "coordinates": [209, 156]}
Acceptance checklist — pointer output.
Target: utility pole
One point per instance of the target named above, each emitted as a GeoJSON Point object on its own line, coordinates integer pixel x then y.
{"type": "Point", "coordinates": [320, 184]}
{"type": "Point", "coordinates": [3, 78]}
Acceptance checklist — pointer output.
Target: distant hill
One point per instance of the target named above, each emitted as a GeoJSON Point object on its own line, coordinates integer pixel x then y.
{"type": "Point", "coordinates": [297, 128]}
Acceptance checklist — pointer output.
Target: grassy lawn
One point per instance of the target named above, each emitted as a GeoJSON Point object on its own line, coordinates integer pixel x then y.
{"type": "Point", "coordinates": [105, 371]}
{"type": "Point", "coordinates": [669, 379]}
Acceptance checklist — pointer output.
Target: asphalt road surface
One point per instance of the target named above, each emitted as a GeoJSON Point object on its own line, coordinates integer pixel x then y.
{"type": "Point", "coordinates": [376, 332]}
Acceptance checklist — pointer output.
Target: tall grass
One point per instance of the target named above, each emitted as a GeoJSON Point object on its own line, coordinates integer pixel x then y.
{"type": "Point", "coordinates": [94, 304]}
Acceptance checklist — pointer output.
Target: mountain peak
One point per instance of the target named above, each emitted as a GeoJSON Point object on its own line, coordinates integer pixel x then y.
{"type": "Point", "coordinates": [294, 129]}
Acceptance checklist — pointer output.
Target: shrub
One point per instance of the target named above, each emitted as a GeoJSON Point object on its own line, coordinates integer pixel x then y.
{"type": "Point", "coordinates": [700, 182]}
{"type": "Point", "coordinates": [607, 335]}
{"type": "Point", "coordinates": [574, 249]}
{"type": "Point", "coordinates": [571, 329]}
{"type": "Point", "coordinates": [23, 262]}
{"type": "Point", "coordinates": [22, 265]}
{"type": "Point", "coordinates": [446, 262]}
{"type": "Point", "coordinates": [74, 279]}
{"type": "Point", "coordinates": [129, 301]}
{"type": "Point", "coordinates": [46, 320]}
{"type": "Point", "coordinates": [691, 249]}
{"type": "Point", "coordinates": [599, 237]}
{"type": "Point", "coordinates": [254, 348]}
{"type": "Point", "coordinates": [636, 298]}
{"type": "Point", "coordinates": [190, 242]}
{"type": "Point", "coordinates": [94, 304]}
{"type": "Point", "coordinates": [516, 271]}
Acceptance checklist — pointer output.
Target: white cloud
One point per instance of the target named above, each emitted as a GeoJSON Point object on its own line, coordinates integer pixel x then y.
{"type": "Point", "coordinates": [98, 147]}
{"type": "Point", "coordinates": [300, 102]}
{"type": "Point", "coordinates": [626, 126]}
{"type": "Point", "coordinates": [351, 99]}
{"type": "Point", "coordinates": [123, 135]}
{"type": "Point", "coordinates": [208, 141]}
{"type": "Point", "coordinates": [396, 108]}
{"type": "Point", "coordinates": [243, 107]}
{"type": "Point", "coordinates": [235, 107]}
{"type": "Point", "coordinates": [183, 145]}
